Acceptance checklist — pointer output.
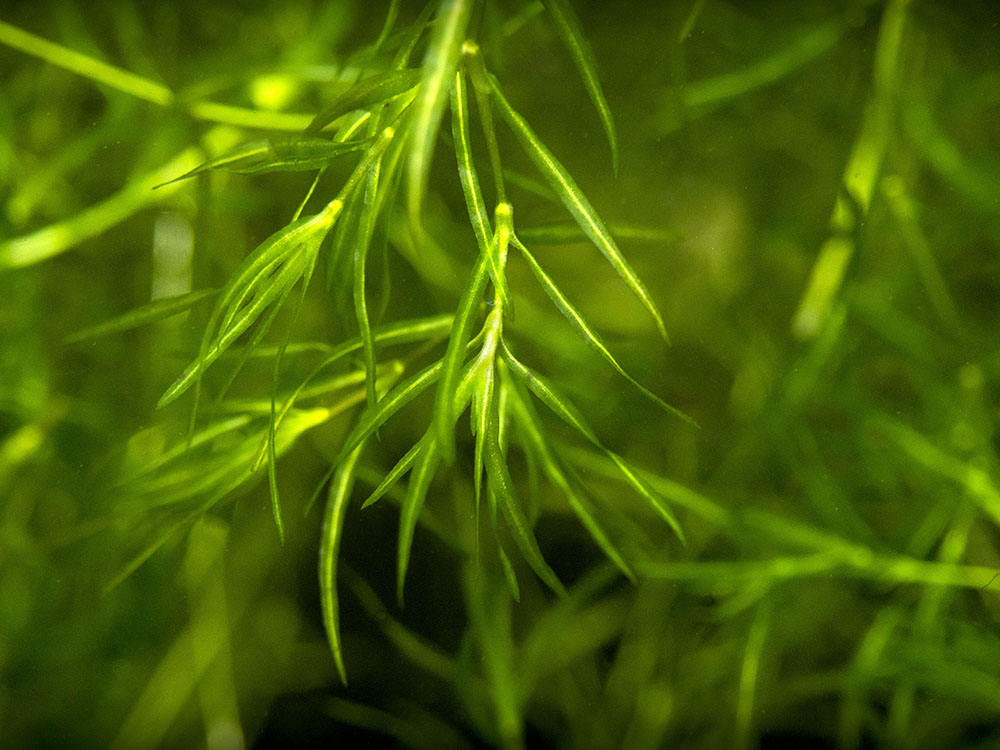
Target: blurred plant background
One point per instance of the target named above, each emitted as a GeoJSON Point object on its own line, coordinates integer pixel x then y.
{"type": "Point", "coordinates": [811, 191]}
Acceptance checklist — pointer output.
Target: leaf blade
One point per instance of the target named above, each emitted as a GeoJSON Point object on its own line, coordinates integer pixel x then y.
{"type": "Point", "coordinates": [152, 312]}
{"type": "Point", "coordinates": [576, 203]}
{"type": "Point", "coordinates": [440, 63]}
{"type": "Point", "coordinates": [569, 29]}
{"type": "Point", "coordinates": [416, 493]}
{"type": "Point", "coordinates": [578, 322]}
{"type": "Point", "coordinates": [276, 154]}
{"type": "Point", "coordinates": [333, 525]}
{"type": "Point", "coordinates": [365, 94]}
{"type": "Point", "coordinates": [474, 202]}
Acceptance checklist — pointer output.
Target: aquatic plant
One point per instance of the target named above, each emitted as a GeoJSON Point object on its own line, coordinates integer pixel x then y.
{"type": "Point", "coordinates": [475, 402]}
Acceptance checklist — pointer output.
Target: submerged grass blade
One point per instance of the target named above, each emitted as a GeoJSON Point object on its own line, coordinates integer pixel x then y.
{"type": "Point", "coordinates": [362, 244]}
{"type": "Point", "coordinates": [481, 87]}
{"type": "Point", "coordinates": [329, 552]}
{"type": "Point", "coordinates": [389, 480]}
{"type": "Point", "coordinates": [570, 31]}
{"type": "Point", "coordinates": [272, 464]}
{"type": "Point", "coordinates": [589, 335]}
{"type": "Point", "coordinates": [470, 186]}
{"type": "Point", "coordinates": [388, 405]}
{"type": "Point", "coordinates": [502, 484]}
{"type": "Point", "coordinates": [85, 65]}
{"type": "Point", "coordinates": [440, 63]}
{"type": "Point", "coordinates": [444, 410]}
{"type": "Point", "coordinates": [276, 154]}
{"type": "Point", "coordinates": [483, 406]}
{"type": "Point", "coordinates": [305, 233]}
{"type": "Point", "coordinates": [416, 493]}
{"type": "Point", "coordinates": [158, 309]}
{"type": "Point", "coordinates": [538, 444]}
{"type": "Point", "coordinates": [576, 203]}
{"type": "Point", "coordinates": [299, 242]}
{"type": "Point", "coordinates": [366, 94]}
{"type": "Point", "coordinates": [405, 332]}
{"type": "Point", "coordinates": [570, 414]}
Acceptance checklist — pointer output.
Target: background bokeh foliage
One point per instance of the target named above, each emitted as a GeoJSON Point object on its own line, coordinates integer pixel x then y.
{"type": "Point", "coordinates": [811, 191]}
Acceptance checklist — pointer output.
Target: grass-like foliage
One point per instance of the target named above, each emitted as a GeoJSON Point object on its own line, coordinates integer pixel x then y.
{"type": "Point", "coordinates": [406, 311]}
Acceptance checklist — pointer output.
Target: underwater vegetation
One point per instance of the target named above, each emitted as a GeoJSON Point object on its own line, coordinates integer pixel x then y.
{"type": "Point", "coordinates": [500, 373]}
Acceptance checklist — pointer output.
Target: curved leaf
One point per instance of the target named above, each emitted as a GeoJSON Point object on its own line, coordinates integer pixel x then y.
{"type": "Point", "coordinates": [416, 493]}
{"type": "Point", "coordinates": [440, 63]}
{"type": "Point", "coordinates": [365, 94]}
{"type": "Point", "coordinates": [473, 193]}
{"type": "Point", "coordinates": [589, 334]}
{"type": "Point", "coordinates": [277, 154]}
{"type": "Point", "coordinates": [569, 30]}
{"type": "Point", "coordinates": [329, 552]}
{"type": "Point", "coordinates": [158, 309]}
{"type": "Point", "coordinates": [576, 203]}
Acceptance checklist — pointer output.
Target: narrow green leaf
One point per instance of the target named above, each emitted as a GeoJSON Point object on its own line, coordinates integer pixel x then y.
{"type": "Point", "coordinates": [298, 243]}
{"type": "Point", "coordinates": [415, 648]}
{"type": "Point", "coordinates": [412, 36]}
{"type": "Point", "coordinates": [402, 466]}
{"type": "Point", "coordinates": [272, 464]}
{"type": "Point", "coordinates": [306, 233]}
{"type": "Point", "coordinates": [547, 394]}
{"type": "Point", "coordinates": [570, 31]}
{"type": "Point", "coordinates": [576, 203]}
{"type": "Point", "coordinates": [281, 284]}
{"type": "Point", "coordinates": [653, 497]}
{"type": "Point", "coordinates": [390, 20]}
{"type": "Point", "coordinates": [503, 485]}
{"type": "Point", "coordinates": [570, 414]}
{"type": "Point", "coordinates": [405, 332]}
{"type": "Point", "coordinates": [489, 613]}
{"type": "Point", "coordinates": [470, 186]}
{"type": "Point", "coordinates": [481, 87]}
{"type": "Point", "coordinates": [329, 552]}
{"type": "Point", "coordinates": [416, 493]}
{"type": "Point", "coordinates": [538, 444]}
{"type": "Point", "coordinates": [388, 405]}
{"type": "Point", "coordinates": [275, 154]}
{"type": "Point", "coordinates": [362, 243]}
{"type": "Point", "coordinates": [510, 576]}
{"type": "Point", "coordinates": [158, 309]}
{"type": "Point", "coordinates": [484, 406]}
{"type": "Point", "coordinates": [64, 235]}
{"type": "Point", "coordinates": [440, 63]}
{"type": "Point", "coordinates": [564, 233]}
{"type": "Point", "coordinates": [454, 356]}
{"type": "Point", "coordinates": [366, 94]}
{"type": "Point", "coordinates": [589, 334]}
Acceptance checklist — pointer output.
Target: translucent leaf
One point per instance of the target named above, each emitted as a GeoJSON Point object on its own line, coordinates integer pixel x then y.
{"type": "Point", "coordinates": [569, 30]}
{"type": "Point", "coordinates": [416, 493]}
{"type": "Point", "coordinates": [365, 94]}
{"type": "Point", "coordinates": [329, 552]}
{"type": "Point", "coordinates": [389, 480]}
{"type": "Point", "coordinates": [576, 203]}
{"type": "Point", "coordinates": [538, 444]}
{"type": "Point", "coordinates": [473, 193]}
{"type": "Point", "coordinates": [589, 334]}
{"type": "Point", "coordinates": [158, 309]}
{"type": "Point", "coordinates": [444, 410]}
{"type": "Point", "coordinates": [503, 485]}
{"type": "Point", "coordinates": [440, 63]}
{"type": "Point", "coordinates": [570, 414]}
{"type": "Point", "coordinates": [276, 154]}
